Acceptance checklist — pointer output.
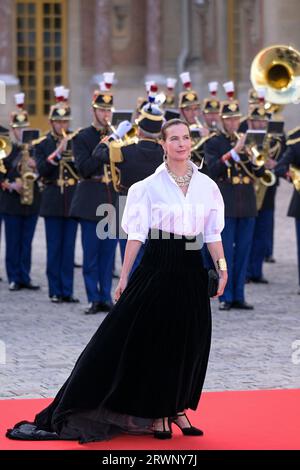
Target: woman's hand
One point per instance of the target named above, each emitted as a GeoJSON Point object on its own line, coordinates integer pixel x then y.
{"type": "Point", "coordinates": [223, 276]}
{"type": "Point", "coordinates": [121, 287]}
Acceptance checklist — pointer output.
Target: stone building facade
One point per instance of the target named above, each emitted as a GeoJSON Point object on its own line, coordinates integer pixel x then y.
{"type": "Point", "coordinates": [44, 42]}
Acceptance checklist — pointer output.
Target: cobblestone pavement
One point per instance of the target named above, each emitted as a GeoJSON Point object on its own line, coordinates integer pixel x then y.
{"type": "Point", "coordinates": [250, 349]}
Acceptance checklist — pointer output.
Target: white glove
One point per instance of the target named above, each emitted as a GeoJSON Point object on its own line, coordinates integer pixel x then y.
{"type": "Point", "coordinates": [234, 155]}
{"type": "Point", "coordinates": [122, 129]}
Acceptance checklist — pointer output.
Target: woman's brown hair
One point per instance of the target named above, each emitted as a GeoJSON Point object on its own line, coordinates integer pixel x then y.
{"type": "Point", "coordinates": [170, 123]}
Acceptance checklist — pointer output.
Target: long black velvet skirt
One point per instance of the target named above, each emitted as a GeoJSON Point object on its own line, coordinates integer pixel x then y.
{"type": "Point", "coordinates": [148, 358]}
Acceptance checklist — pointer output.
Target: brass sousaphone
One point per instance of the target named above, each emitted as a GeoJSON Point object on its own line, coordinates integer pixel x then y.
{"type": "Point", "coordinates": [277, 69]}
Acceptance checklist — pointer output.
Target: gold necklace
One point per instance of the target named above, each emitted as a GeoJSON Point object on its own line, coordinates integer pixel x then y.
{"type": "Point", "coordinates": [181, 180]}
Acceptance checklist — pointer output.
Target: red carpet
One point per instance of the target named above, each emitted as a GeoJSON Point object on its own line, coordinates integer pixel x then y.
{"type": "Point", "coordinates": [260, 419]}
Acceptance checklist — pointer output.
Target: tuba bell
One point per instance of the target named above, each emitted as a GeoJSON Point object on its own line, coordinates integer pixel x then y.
{"type": "Point", "coordinates": [277, 68]}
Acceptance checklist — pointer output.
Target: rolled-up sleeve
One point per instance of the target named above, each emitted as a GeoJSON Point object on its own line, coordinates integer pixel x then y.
{"type": "Point", "coordinates": [136, 216]}
{"type": "Point", "coordinates": [214, 222]}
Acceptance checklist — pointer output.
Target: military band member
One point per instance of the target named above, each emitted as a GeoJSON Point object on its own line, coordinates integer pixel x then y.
{"type": "Point", "coordinates": [137, 160]}
{"type": "Point", "coordinates": [170, 94]}
{"type": "Point", "coordinates": [19, 203]}
{"type": "Point", "coordinates": [142, 100]}
{"type": "Point", "coordinates": [233, 172]}
{"type": "Point", "coordinates": [211, 109]}
{"type": "Point", "coordinates": [289, 166]}
{"type": "Point", "coordinates": [95, 188]}
{"type": "Point", "coordinates": [190, 108]}
{"type": "Point", "coordinates": [253, 100]}
{"type": "Point", "coordinates": [264, 223]}
{"type": "Point", "coordinates": [59, 177]}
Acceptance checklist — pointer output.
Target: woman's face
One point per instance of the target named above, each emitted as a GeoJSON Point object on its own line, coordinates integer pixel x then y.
{"type": "Point", "coordinates": [177, 145]}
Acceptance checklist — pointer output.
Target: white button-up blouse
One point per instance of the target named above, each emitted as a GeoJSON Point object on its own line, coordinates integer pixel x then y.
{"type": "Point", "coordinates": [157, 202]}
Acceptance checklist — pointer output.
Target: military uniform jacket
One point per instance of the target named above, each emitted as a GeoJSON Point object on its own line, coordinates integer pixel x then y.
{"type": "Point", "coordinates": [90, 191]}
{"type": "Point", "coordinates": [243, 125]}
{"type": "Point", "coordinates": [10, 201]}
{"type": "Point", "coordinates": [139, 161]}
{"type": "Point", "coordinates": [239, 199]}
{"type": "Point", "coordinates": [55, 201]}
{"type": "Point", "coordinates": [198, 156]}
{"type": "Point", "coordinates": [291, 156]}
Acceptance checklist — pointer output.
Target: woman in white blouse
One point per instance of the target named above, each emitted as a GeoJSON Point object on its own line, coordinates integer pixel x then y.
{"type": "Point", "coordinates": [147, 362]}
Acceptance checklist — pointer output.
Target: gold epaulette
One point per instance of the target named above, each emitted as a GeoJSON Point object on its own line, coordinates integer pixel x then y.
{"type": "Point", "coordinates": [293, 131]}
{"type": "Point", "coordinates": [39, 140]}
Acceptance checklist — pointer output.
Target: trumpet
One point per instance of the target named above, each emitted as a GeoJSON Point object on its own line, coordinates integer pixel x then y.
{"type": "Point", "coordinates": [68, 136]}
{"type": "Point", "coordinates": [257, 157]}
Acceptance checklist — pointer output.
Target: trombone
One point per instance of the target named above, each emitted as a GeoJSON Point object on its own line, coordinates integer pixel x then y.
{"type": "Point", "coordinates": [258, 159]}
{"type": "Point", "coordinates": [68, 154]}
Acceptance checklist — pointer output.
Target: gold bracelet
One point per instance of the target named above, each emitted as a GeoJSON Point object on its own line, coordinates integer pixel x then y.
{"type": "Point", "coordinates": [221, 264]}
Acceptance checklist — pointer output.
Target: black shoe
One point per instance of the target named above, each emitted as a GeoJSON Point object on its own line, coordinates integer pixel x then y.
{"type": "Point", "coordinates": [56, 299]}
{"type": "Point", "coordinates": [93, 308]}
{"type": "Point", "coordinates": [259, 280]}
{"type": "Point", "coordinates": [165, 432]}
{"type": "Point", "coordinates": [181, 420]}
{"type": "Point", "coordinates": [106, 306]}
{"type": "Point", "coordinates": [70, 299]}
{"type": "Point", "coordinates": [242, 305]}
{"type": "Point", "coordinates": [13, 286]}
{"type": "Point", "coordinates": [30, 286]}
{"type": "Point", "coordinates": [224, 305]}
{"type": "Point", "coordinates": [270, 259]}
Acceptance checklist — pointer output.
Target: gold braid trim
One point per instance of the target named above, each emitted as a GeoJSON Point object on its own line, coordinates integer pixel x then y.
{"type": "Point", "coordinates": [293, 131]}
{"type": "Point", "coordinates": [293, 141]}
